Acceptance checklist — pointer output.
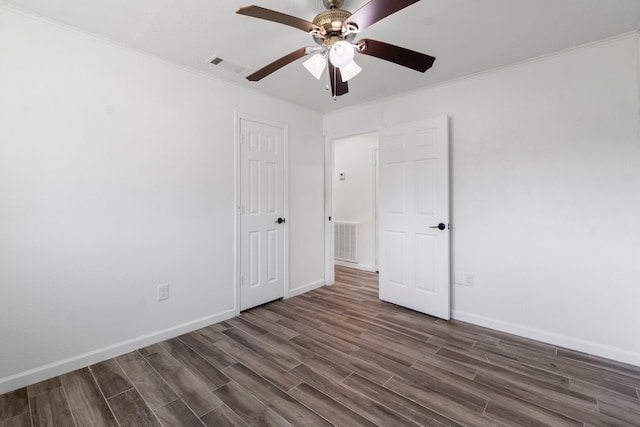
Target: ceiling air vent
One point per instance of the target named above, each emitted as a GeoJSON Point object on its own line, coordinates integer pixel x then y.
{"type": "Point", "coordinates": [227, 65]}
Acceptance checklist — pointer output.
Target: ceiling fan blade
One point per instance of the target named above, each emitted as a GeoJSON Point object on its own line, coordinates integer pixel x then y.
{"type": "Point", "coordinates": [338, 87]}
{"type": "Point", "coordinates": [396, 54]}
{"type": "Point", "coordinates": [375, 10]}
{"type": "Point", "coordinates": [277, 64]}
{"type": "Point", "coordinates": [281, 18]}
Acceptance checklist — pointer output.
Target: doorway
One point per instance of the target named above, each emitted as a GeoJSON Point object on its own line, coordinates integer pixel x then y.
{"type": "Point", "coordinates": [354, 201]}
{"type": "Point", "coordinates": [413, 205]}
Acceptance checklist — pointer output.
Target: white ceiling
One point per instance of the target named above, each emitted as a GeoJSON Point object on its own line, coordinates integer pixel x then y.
{"type": "Point", "coordinates": [466, 37]}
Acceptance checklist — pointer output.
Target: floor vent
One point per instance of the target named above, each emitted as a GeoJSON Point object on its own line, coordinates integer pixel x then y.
{"type": "Point", "coordinates": [346, 241]}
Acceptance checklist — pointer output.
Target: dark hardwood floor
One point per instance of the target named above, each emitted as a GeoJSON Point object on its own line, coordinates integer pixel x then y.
{"type": "Point", "coordinates": [337, 356]}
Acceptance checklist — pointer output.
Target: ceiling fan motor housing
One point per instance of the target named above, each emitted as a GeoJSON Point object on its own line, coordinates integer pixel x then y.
{"type": "Point", "coordinates": [331, 22]}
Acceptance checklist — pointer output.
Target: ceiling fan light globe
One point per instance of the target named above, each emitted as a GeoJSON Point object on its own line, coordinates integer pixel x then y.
{"type": "Point", "coordinates": [349, 71]}
{"type": "Point", "coordinates": [341, 54]}
{"type": "Point", "coordinates": [315, 65]}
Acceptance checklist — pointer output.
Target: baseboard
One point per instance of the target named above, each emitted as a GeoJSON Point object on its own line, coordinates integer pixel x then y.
{"type": "Point", "coordinates": [362, 267]}
{"type": "Point", "coordinates": [552, 338]}
{"type": "Point", "coordinates": [51, 370]}
{"type": "Point", "coordinates": [305, 288]}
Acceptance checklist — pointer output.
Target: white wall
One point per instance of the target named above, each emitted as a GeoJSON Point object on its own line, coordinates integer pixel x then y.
{"type": "Point", "coordinates": [545, 193]}
{"type": "Point", "coordinates": [354, 197]}
{"type": "Point", "coordinates": [116, 175]}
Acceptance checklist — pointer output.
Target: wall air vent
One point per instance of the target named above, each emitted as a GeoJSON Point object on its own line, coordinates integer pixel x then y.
{"type": "Point", "coordinates": [227, 65]}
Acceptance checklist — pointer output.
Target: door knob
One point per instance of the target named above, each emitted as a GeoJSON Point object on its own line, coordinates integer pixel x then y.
{"type": "Point", "coordinates": [440, 226]}
{"type": "Point", "coordinates": [281, 220]}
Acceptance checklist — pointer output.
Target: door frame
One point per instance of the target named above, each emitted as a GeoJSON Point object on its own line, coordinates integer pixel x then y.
{"type": "Point", "coordinates": [237, 153]}
{"type": "Point", "coordinates": [329, 258]}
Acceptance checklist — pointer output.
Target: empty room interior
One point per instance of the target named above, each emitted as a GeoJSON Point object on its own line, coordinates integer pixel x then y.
{"type": "Point", "coordinates": [320, 212]}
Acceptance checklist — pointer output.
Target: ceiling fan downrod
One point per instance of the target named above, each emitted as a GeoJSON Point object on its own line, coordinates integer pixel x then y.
{"type": "Point", "coordinates": [333, 4]}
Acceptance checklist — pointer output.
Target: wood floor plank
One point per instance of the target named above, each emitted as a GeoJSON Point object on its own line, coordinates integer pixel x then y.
{"type": "Point", "coordinates": [199, 367]}
{"type": "Point", "coordinates": [296, 326]}
{"type": "Point", "coordinates": [22, 420]}
{"type": "Point", "coordinates": [110, 378]}
{"type": "Point", "coordinates": [220, 327]}
{"type": "Point", "coordinates": [334, 412]}
{"type": "Point", "coordinates": [358, 403]}
{"type": "Point", "coordinates": [43, 386]}
{"type": "Point", "coordinates": [207, 351]}
{"type": "Point", "coordinates": [368, 343]}
{"type": "Point", "coordinates": [281, 403]}
{"type": "Point", "coordinates": [249, 408]}
{"type": "Point", "coordinates": [348, 361]}
{"type": "Point", "coordinates": [553, 400]}
{"type": "Point", "coordinates": [330, 368]}
{"type": "Point", "coordinates": [131, 410]}
{"type": "Point", "coordinates": [244, 325]}
{"type": "Point", "coordinates": [433, 360]}
{"type": "Point", "coordinates": [513, 415]}
{"type": "Point", "coordinates": [619, 412]}
{"type": "Point", "coordinates": [195, 393]}
{"type": "Point", "coordinates": [331, 340]}
{"type": "Point", "coordinates": [14, 403]}
{"type": "Point", "coordinates": [86, 401]}
{"type": "Point", "coordinates": [287, 313]}
{"type": "Point", "coordinates": [50, 408]}
{"type": "Point", "coordinates": [490, 354]}
{"type": "Point", "coordinates": [599, 362]}
{"type": "Point", "coordinates": [177, 414]}
{"type": "Point", "coordinates": [502, 370]}
{"type": "Point", "coordinates": [383, 324]}
{"type": "Point", "coordinates": [457, 392]}
{"type": "Point", "coordinates": [223, 417]}
{"type": "Point", "coordinates": [153, 389]}
{"type": "Point", "coordinates": [518, 415]}
{"type": "Point", "coordinates": [266, 314]}
{"type": "Point", "coordinates": [268, 325]}
{"type": "Point", "coordinates": [439, 403]}
{"type": "Point", "coordinates": [415, 412]}
{"type": "Point", "coordinates": [211, 333]}
{"type": "Point", "coordinates": [382, 331]}
{"type": "Point", "coordinates": [411, 352]}
{"type": "Point", "coordinates": [564, 368]}
{"type": "Point", "coordinates": [264, 367]}
{"type": "Point", "coordinates": [277, 356]}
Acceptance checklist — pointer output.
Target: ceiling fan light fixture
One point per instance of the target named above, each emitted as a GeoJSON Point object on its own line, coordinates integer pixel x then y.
{"type": "Point", "coordinates": [316, 64]}
{"type": "Point", "coordinates": [341, 54]}
{"type": "Point", "coordinates": [349, 71]}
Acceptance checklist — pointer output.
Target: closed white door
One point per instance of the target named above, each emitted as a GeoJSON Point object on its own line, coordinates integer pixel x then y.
{"type": "Point", "coordinates": [262, 213]}
{"type": "Point", "coordinates": [414, 216]}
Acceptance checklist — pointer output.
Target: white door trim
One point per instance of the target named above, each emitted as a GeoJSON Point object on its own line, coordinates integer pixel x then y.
{"type": "Point", "coordinates": [238, 117]}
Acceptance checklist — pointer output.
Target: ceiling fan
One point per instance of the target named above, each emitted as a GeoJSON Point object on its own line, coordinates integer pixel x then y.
{"type": "Point", "coordinates": [334, 30]}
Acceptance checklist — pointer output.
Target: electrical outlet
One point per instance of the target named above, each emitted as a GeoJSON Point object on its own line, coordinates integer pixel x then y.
{"type": "Point", "coordinates": [463, 279]}
{"type": "Point", "coordinates": [163, 292]}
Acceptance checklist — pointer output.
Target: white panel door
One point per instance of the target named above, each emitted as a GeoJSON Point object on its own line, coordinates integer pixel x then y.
{"type": "Point", "coordinates": [414, 216]}
{"type": "Point", "coordinates": [262, 213]}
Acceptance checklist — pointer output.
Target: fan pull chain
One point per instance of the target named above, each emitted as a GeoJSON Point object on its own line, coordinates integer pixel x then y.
{"type": "Point", "coordinates": [335, 84]}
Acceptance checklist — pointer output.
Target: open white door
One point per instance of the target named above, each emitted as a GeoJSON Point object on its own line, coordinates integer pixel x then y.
{"type": "Point", "coordinates": [262, 213]}
{"type": "Point", "coordinates": [414, 216]}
